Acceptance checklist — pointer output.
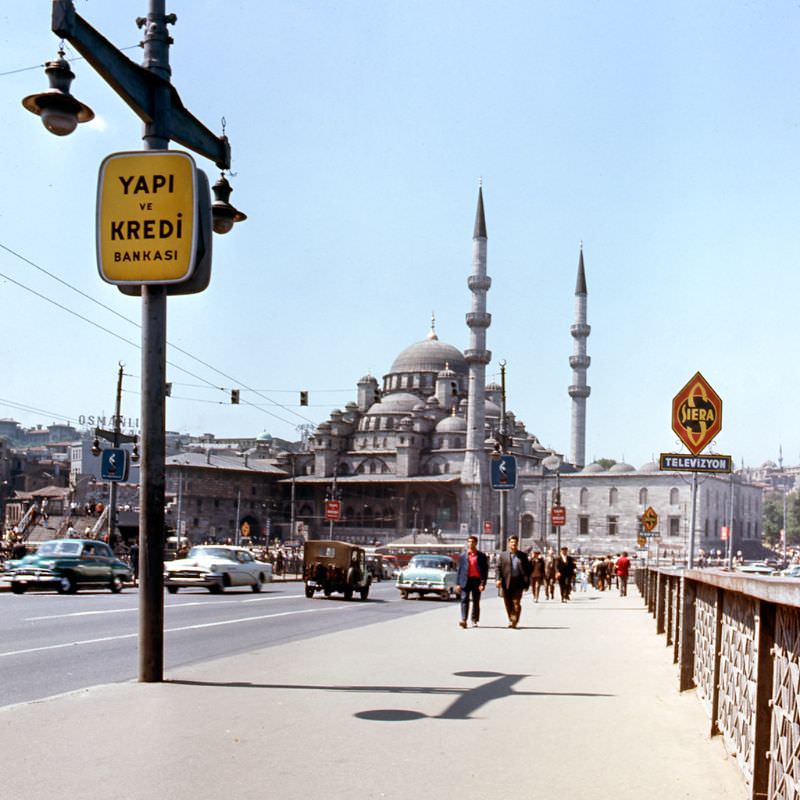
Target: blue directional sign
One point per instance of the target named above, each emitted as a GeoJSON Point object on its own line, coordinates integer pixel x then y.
{"type": "Point", "coordinates": [114, 464]}
{"type": "Point", "coordinates": [504, 472]}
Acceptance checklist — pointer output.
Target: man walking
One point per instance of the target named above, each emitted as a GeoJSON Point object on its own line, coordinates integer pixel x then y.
{"type": "Point", "coordinates": [565, 572]}
{"type": "Point", "coordinates": [513, 575]}
{"type": "Point", "coordinates": [537, 574]}
{"type": "Point", "coordinates": [623, 569]}
{"type": "Point", "coordinates": [473, 572]}
{"type": "Point", "coordinates": [550, 575]}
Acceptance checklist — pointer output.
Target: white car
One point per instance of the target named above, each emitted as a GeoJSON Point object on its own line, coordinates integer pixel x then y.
{"type": "Point", "coordinates": [216, 567]}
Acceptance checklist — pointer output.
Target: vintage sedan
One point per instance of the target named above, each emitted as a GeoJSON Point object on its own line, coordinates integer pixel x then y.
{"type": "Point", "coordinates": [216, 568]}
{"type": "Point", "coordinates": [68, 565]}
{"type": "Point", "coordinates": [428, 574]}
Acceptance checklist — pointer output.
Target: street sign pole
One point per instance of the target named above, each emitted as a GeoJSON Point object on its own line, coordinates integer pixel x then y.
{"type": "Point", "coordinates": [690, 556]}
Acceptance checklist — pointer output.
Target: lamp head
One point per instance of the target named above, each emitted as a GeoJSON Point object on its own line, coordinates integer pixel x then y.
{"type": "Point", "coordinates": [224, 215]}
{"type": "Point", "coordinates": [59, 110]}
{"type": "Point", "coordinates": [96, 449]}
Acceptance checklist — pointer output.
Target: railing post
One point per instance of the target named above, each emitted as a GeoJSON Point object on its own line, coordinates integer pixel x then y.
{"type": "Point", "coordinates": [686, 634]}
{"type": "Point", "coordinates": [661, 583]}
{"type": "Point", "coordinates": [765, 642]}
{"type": "Point", "coordinates": [717, 653]}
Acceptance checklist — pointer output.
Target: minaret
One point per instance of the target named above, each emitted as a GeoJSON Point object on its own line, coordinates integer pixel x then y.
{"type": "Point", "coordinates": [579, 362]}
{"type": "Point", "coordinates": [475, 470]}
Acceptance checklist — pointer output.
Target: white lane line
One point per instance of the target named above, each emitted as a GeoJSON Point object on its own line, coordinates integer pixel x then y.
{"type": "Point", "coordinates": [170, 630]}
{"type": "Point", "coordinates": [172, 605]}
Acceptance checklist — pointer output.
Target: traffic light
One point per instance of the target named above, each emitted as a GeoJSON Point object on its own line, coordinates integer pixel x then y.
{"type": "Point", "coordinates": [303, 398]}
{"type": "Point", "coordinates": [235, 397]}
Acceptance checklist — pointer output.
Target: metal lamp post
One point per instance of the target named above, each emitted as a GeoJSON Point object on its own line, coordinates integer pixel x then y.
{"type": "Point", "coordinates": [553, 464]}
{"type": "Point", "coordinates": [148, 91]}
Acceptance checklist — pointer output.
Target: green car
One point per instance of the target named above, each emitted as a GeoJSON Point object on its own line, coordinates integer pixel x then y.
{"type": "Point", "coordinates": [68, 565]}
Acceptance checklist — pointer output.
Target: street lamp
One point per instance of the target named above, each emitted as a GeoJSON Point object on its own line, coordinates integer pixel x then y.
{"type": "Point", "coordinates": [148, 91]}
{"type": "Point", "coordinates": [553, 464]}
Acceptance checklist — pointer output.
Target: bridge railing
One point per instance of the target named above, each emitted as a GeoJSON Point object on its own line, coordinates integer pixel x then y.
{"type": "Point", "coordinates": [736, 640]}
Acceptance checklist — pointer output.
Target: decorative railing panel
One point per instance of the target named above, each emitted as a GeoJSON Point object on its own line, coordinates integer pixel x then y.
{"type": "Point", "coordinates": [705, 625]}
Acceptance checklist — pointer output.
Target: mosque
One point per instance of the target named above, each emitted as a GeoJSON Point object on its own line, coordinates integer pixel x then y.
{"type": "Point", "coordinates": [411, 455]}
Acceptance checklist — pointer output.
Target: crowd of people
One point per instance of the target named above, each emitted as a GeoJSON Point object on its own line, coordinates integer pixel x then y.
{"type": "Point", "coordinates": [517, 571]}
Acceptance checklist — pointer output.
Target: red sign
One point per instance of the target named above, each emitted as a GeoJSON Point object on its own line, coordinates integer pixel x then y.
{"type": "Point", "coordinates": [723, 533]}
{"type": "Point", "coordinates": [333, 510]}
{"type": "Point", "coordinates": [696, 414]}
{"type": "Point", "coordinates": [558, 515]}
{"type": "Point", "coordinates": [487, 528]}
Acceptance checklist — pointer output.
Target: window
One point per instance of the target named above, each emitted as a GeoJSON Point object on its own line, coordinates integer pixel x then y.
{"type": "Point", "coordinates": [674, 524]}
{"type": "Point", "coordinates": [612, 497]}
{"type": "Point", "coordinates": [642, 497]}
{"type": "Point", "coordinates": [612, 526]}
{"type": "Point", "coordinates": [583, 524]}
{"type": "Point", "coordinates": [674, 497]}
{"type": "Point", "coordinates": [584, 497]}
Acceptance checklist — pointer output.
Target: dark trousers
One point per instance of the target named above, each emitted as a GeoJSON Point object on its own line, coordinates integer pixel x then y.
{"type": "Point", "coordinates": [512, 598]}
{"type": "Point", "coordinates": [472, 591]}
{"type": "Point", "coordinates": [565, 587]}
{"type": "Point", "coordinates": [536, 587]}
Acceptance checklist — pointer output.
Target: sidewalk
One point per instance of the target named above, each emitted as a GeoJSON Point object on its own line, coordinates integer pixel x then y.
{"type": "Point", "coordinates": [580, 702]}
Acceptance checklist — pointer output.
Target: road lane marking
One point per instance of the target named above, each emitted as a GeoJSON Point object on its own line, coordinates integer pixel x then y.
{"type": "Point", "coordinates": [121, 636]}
{"type": "Point", "coordinates": [171, 605]}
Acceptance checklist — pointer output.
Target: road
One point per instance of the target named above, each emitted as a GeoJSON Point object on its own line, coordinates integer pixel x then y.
{"type": "Point", "coordinates": [51, 643]}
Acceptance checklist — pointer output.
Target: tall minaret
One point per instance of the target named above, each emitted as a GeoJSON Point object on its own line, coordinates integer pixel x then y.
{"type": "Point", "coordinates": [579, 362]}
{"type": "Point", "coordinates": [475, 470]}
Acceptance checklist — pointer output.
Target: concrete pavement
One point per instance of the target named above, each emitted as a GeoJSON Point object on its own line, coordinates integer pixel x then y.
{"type": "Point", "coordinates": [580, 702]}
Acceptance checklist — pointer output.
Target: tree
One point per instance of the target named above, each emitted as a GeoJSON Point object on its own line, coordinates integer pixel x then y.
{"type": "Point", "coordinates": [605, 463]}
{"type": "Point", "coordinates": [772, 517]}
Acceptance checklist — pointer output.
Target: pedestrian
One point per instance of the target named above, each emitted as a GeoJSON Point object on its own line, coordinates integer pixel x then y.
{"type": "Point", "coordinates": [623, 568]}
{"type": "Point", "coordinates": [565, 573]}
{"type": "Point", "coordinates": [473, 572]}
{"type": "Point", "coordinates": [134, 557]}
{"type": "Point", "coordinates": [599, 573]}
{"type": "Point", "coordinates": [537, 574]}
{"type": "Point", "coordinates": [513, 577]}
{"type": "Point", "coordinates": [550, 575]}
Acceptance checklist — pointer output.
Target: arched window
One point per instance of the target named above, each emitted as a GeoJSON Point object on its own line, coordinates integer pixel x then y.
{"type": "Point", "coordinates": [584, 497]}
{"type": "Point", "coordinates": [459, 443]}
{"type": "Point", "coordinates": [612, 497]}
{"type": "Point", "coordinates": [642, 497]}
{"type": "Point", "coordinates": [674, 497]}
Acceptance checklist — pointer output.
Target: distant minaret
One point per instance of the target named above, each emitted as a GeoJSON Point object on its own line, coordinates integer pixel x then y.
{"type": "Point", "coordinates": [579, 362]}
{"type": "Point", "coordinates": [475, 470]}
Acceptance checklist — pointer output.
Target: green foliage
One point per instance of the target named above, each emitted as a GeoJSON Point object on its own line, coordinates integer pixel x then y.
{"type": "Point", "coordinates": [772, 517]}
{"type": "Point", "coordinates": [606, 463]}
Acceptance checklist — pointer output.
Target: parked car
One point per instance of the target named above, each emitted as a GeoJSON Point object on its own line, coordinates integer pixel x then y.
{"type": "Point", "coordinates": [428, 574]}
{"type": "Point", "coordinates": [330, 566]}
{"type": "Point", "coordinates": [756, 568]}
{"type": "Point", "coordinates": [216, 568]}
{"type": "Point", "coordinates": [792, 571]}
{"type": "Point", "coordinates": [375, 567]}
{"type": "Point", "coordinates": [68, 565]}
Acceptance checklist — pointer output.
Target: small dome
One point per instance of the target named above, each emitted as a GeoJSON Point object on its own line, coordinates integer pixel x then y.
{"type": "Point", "coordinates": [494, 387]}
{"type": "Point", "coordinates": [394, 403]}
{"type": "Point", "coordinates": [650, 466]}
{"type": "Point", "coordinates": [593, 467]}
{"type": "Point", "coordinates": [621, 466]}
{"type": "Point", "coordinates": [491, 409]}
{"type": "Point", "coordinates": [264, 437]}
{"type": "Point", "coordinates": [452, 424]}
{"type": "Point", "coordinates": [419, 407]}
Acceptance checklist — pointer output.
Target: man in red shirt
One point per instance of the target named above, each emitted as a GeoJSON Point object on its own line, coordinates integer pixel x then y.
{"type": "Point", "coordinates": [623, 568]}
{"type": "Point", "coordinates": [473, 572]}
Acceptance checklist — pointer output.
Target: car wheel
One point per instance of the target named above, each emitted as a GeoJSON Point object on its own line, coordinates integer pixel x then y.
{"type": "Point", "coordinates": [348, 592]}
{"type": "Point", "coordinates": [172, 589]}
{"type": "Point", "coordinates": [67, 585]}
{"type": "Point", "coordinates": [445, 595]}
{"type": "Point", "coordinates": [403, 594]}
{"type": "Point", "coordinates": [326, 591]}
{"type": "Point", "coordinates": [215, 588]}
{"type": "Point", "coordinates": [364, 593]}
{"type": "Point", "coordinates": [18, 588]}
{"type": "Point", "coordinates": [256, 587]}
{"type": "Point", "coordinates": [309, 591]}
{"type": "Point", "coordinates": [116, 584]}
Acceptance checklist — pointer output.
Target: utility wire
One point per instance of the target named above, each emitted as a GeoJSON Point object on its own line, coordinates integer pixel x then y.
{"type": "Point", "coordinates": [72, 59]}
{"type": "Point", "coordinates": [137, 325]}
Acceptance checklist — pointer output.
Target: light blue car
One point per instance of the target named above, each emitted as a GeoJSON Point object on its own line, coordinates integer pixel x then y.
{"type": "Point", "coordinates": [428, 574]}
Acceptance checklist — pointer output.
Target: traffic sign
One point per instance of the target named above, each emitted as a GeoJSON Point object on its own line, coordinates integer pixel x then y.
{"type": "Point", "coordinates": [147, 217]}
{"type": "Point", "coordinates": [649, 519]}
{"type": "Point", "coordinates": [558, 516]}
{"type": "Point", "coordinates": [487, 528]}
{"type": "Point", "coordinates": [114, 464]}
{"type": "Point", "coordinates": [504, 472]}
{"type": "Point", "coordinates": [723, 533]}
{"type": "Point", "coordinates": [333, 510]}
{"type": "Point", "coordinates": [696, 414]}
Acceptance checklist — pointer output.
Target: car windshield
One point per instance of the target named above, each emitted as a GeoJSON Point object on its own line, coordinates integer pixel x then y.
{"type": "Point", "coordinates": [59, 549]}
{"type": "Point", "coordinates": [212, 552]}
{"type": "Point", "coordinates": [429, 562]}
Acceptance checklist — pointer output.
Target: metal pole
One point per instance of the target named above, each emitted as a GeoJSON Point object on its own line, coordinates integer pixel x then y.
{"type": "Point", "coordinates": [154, 380]}
{"type": "Point", "coordinates": [730, 526]}
{"type": "Point", "coordinates": [558, 503]}
{"type": "Point", "coordinates": [236, 538]}
{"type": "Point", "coordinates": [785, 529]}
{"type": "Point", "coordinates": [503, 432]}
{"type": "Point", "coordinates": [292, 519]}
{"type": "Point", "coordinates": [112, 488]}
{"type": "Point", "coordinates": [690, 556]}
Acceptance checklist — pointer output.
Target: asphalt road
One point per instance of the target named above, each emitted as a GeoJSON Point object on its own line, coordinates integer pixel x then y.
{"type": "Point", "coordinates": [51, 643]}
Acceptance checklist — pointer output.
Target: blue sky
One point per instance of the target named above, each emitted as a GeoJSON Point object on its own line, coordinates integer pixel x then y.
{"type": "Point", "coordinates": [663, 135]}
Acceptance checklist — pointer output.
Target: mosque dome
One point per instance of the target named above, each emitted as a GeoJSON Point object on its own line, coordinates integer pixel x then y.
{"type": "Point", "coordinates": [593, 467]}
{"type": "Point", "coordinates": [621, 466]}
{"type": "Point", "coordinates": [452, 424]}
{"type": "Point", "coordinates": [430, 355]}
{"type": "Point", "coordinates": [395, 403]}
{"type": "Point", "coordinates": [650, 466]}
{"type": "Point", "coordinates": [264, 437]}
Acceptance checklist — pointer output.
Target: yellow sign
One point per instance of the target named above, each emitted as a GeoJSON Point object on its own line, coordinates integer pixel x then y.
{"type": "Point", "coordinates": [147, 217]}
{"type": "Point", "coordinates": [649, 519]}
